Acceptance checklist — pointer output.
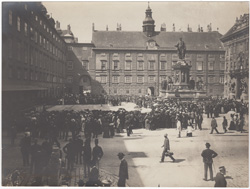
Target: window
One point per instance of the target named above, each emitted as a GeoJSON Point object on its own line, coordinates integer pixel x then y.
{"type": "Point", "coordinates": [19, 51]}
{"type": "Point", "coordinates": [139, 91]}
{"type": "Point", "coordinates": [151, 79]}
{"type": "Point", "coordinates": [115, 91]}
{"type": "Point", "coordinates": [35, 36]}
{"type": "Point", "coordinates": [10, 17]}
{"type": "Point", "coordinates": [18, 24]}
{"type": "Point", "coordinates": [85, 64]}
{"type": "Point", "coordinates": [41, 22]}
{"type": "Point", "coordinates": [222, 79]}
{"type": "Point", "coordinates": [31, 76]}
{"type": "Point", "coordinates": [222, 65]}
{"type": "Point", "coordinates": [127, 91]}
{"type": "Point", "coordinates": [10, 48]}
{"type": "Point", "coordinates": [26, 54]}
{"type": "Point", "coordinates": [69, 79]}
{"type": "Point", "coordinates": [163, 65]}
{"type": "Point", "coordinates": [128, 65]}
{"type": "Point", "coordinates": [70, 65]}
{"type": "Point", "coordinates": [128, 79]}
{"type": "Point", "coordinates": [36, 78]}
{"type": "Point", "coordinates": [103, 79]}
{"type": "Point", "coordinates": [25, 29]}
{"type": "Point", "coordinates": [140, 65]}
{"type": "Point", "coordinates": [25, 6]}
{"type": "Point", "coordinates": [31, 33]}
{"type": "Point", "coordinates": [70, 48]}
{"type": "Point", "coordinates": [47, 45]}
{"type": "Point", "coordinates": [199, 65]}
{"type": "Point", "coordinates": [103, 65]}
{"type": "Point", "coordinates": [116, 65]}
{"type": "Point", "coordinates": [115, 79]}
{"type": "Point", "coordinates": [40, 39]}
{"type": "Point", "coordinates": [140, 79]}
{"type": "Point", "coordinates": [44, 43]}
{"type": "Point", "coordinates": [36, 17]}
{"type": "Point", "coordinates": [211, 65]}
{"type": "Point", "coordinates": [151, 65]}
{"type": "Point", "coordinates": [210, 79]}
{"type": "Point", "coordinates": [210, 90]}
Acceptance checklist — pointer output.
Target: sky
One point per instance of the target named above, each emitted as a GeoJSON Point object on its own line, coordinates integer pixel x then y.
{"type": "Point", "coordinates": [81, 15]}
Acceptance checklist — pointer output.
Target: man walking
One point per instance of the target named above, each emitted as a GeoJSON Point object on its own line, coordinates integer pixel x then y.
{"type": "Point", "coordinates": [208, 156]}
{"type": "Point", "coordinates": [224, 124]}
{"type": "Point", "coordinates": [214, 125]}
{"type": "Point", "coordinates": [220, 180]}
{"type": "Point", "coordinates": [166, 149]}
{"type": "Point", "coordinates": [97, 154]}
{"type": "Point", "coordinates": [123, 171]}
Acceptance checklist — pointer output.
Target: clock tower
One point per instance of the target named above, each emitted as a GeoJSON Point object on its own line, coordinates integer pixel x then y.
{"type": "Point", "coordinates": [148, 23]}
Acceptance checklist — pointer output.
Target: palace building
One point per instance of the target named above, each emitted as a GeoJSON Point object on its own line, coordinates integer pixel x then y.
{"type": "Point", "coordinates": [236, 42]}
{"type": "Point", "coordinates": [136, 62]}
{"type": "Point", "coordinates": [33, 56]}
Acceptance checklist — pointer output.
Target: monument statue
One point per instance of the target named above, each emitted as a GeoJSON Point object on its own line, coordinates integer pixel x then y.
{"type": "Point", "coordinates": [181, 49]}
{"type": "Point", "coordinates": [164, 84]}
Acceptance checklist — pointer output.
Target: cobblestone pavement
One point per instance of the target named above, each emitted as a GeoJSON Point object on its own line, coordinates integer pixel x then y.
{"type": "Point", "coordinates": [143, 152]}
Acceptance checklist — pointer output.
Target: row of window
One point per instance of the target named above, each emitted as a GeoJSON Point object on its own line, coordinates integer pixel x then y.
{"type": "Point", "coordinates": [151, 79]}
{"type": "Point", "coordinates": [85, 65]}
{"type": "Point", "coordinates": [33, 76]}
{"type": "Point", "coordinates": [152, 65]}
{"type": "Point", "coordinates": [35, 57]}
{"type": "Point", "coordinates": [36, 37]}
{"type": "Point", "coordinates": [115, 91]}
{"type": "Point", "coordinates": [199, 57]}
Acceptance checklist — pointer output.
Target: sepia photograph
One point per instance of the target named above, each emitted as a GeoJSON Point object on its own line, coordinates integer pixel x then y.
{"type": "Point", "coordinates": [125, 94]}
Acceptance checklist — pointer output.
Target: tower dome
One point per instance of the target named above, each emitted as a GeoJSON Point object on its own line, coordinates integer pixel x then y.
{"type": "Point", "coordinates": [148, 23]}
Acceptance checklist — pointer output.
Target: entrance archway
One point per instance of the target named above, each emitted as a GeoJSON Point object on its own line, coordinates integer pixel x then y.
{"type": "Point", "coordinates": [151, 91]}
{"type": "Point", "coordinates": [84, 84]}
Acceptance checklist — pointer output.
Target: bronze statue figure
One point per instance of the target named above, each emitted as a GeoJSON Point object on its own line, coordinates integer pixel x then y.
{"type": "Point", "coordinates": [181, 49]}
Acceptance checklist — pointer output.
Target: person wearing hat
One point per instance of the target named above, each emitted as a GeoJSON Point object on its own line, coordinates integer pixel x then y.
{"type": "Point", "coordinates": [213, 126]}
{"type": "Point", "coordinates": [208, 156]}
{"type": "Point", "coordinates": [220, 180]}
{"type": "Point", "coordinates": [25, 145]}
{"type": "Point", "coordinates": [123, 171]}
{"type": "Point", "coordinates": [166, 149]}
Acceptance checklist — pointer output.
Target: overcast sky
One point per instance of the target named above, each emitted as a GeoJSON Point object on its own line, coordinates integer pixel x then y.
{"type": "Point", "coordinates": [81, 15]}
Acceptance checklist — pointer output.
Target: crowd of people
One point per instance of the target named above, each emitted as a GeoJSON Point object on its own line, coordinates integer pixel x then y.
{"type": "Point", "coordinates": [79, 127]}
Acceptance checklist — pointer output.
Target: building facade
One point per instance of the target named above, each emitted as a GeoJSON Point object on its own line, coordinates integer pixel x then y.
{"type": "Point", "coordinates": [136, 62]}
{"type": "Point", "coordinates": [33, 56]}
{"type": "Point", "coordinates": [236, 42]}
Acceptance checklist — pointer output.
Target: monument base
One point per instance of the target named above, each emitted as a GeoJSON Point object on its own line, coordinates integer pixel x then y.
{"type": "Point", "coordinates": [183, 94]}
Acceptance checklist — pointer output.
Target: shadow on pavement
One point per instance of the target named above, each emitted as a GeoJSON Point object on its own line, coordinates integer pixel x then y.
{"type": "Point", "coordinates": [137, 154]}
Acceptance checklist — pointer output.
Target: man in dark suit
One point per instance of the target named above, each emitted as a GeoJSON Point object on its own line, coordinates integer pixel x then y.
{"type": "Point", "coordinates": [208, 156]}
{"type": "Point", "coordinates": [123, 171]}
{"type": "Point", "coordinates": [220, 180]}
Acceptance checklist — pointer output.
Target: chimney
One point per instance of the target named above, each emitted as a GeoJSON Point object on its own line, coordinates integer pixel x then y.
{"type": "Point", "coordinates": [173, 27]}
{"type": "Point", "coordinates": [93, 26]}
{"type": "Point", "coordinates": [107, 28]}
{"type": "Point", "coordinates": [68, 29]}
{"type": "Point", "coordinates": [163, 27]}
{"type": "Point", "coordinates": [188, 30]}
{"type": "Point", "coordinates": [201, 29]}
{"type": "Point", "coordinates": [120, 27]}
{"type": "Point", "coordinates": [210, 27]}
{"type": "Point", "coordinates": [57, 25]}
{"type": "Point", "coordinates": [117, 27]}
